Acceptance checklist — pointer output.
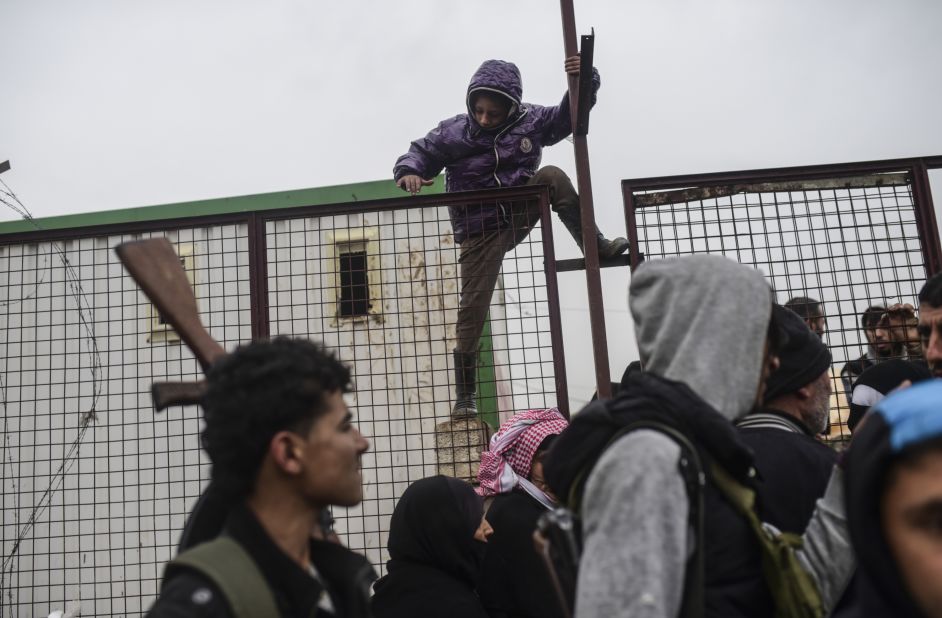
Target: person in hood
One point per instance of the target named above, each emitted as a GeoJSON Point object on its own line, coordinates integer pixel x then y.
{"type": "Point", "coordinates": [497, 143]}
{"type": "Point", "coordinates": [514, 581]}
{"type": "Point", "coordinates": [894, 501]}
{"type": "Point", "coordinates": [706, 340]}
{"type": "Point", "coordinates": [436, 543]}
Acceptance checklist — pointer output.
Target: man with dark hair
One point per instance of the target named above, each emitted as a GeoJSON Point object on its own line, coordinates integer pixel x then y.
{"type": "Point", "coordinates": [811, 311]}
{"type": "Point", "coordinates": [879, 347]}
{"type": "Point", "coordinates": [793, 466]}
{"type": "Point", "coordinates": [283, 449]}
{"type": "Point", "coordinates": [900, 326]}
{"type": "Point", "coordinates": [930, 323]}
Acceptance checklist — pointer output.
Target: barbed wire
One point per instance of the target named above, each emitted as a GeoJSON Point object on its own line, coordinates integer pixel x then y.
{"type": "Point", "coordinates": [10, 200]}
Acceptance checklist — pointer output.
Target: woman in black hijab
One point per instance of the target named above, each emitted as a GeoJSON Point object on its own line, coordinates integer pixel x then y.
{"type": "Point", "coordinates": [434, 553]}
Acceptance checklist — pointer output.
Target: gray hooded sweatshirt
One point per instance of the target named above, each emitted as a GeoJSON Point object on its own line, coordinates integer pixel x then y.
{"type": "Point", "coordinates": [703, 321]}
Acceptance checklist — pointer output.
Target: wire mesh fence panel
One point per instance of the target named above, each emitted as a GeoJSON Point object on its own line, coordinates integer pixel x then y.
{"type": "Point", "coordinates": [835, 247]}
{"type": "Point", "coordinates": [384, 289]}
{"type": "Point", "coordinates": [96, 486]}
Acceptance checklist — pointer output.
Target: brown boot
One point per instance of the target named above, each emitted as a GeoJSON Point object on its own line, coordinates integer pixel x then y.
{"type": "Point", "coordinates": [608, 249]}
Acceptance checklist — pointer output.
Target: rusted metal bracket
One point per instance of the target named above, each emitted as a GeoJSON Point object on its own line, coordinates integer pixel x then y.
{"type": "Point", "coordinates": [660, 198]}
{"type": "Point", "coordinates": [586, 56]}
{"type": "Point", "coordinates": [563, 266]}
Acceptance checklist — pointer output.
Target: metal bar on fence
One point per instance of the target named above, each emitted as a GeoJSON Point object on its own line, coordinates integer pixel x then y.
{"type": "Point", "coordinates": [552, 295]}
{"type": "Point", "coordinates": [776, 174]}
{"type": "Point", "coordinates": [925, 218]}
{"type": "Point", "coordinates": [258, 276]}
{"type": "Point", "coordinates": [850, 236]}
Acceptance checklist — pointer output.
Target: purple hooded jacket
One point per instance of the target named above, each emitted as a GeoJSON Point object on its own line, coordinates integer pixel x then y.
{"type": "Point", "coordinates": [474, 158]}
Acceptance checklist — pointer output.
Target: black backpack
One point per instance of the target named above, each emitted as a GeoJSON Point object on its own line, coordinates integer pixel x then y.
{"type": "Point", "coordinates": [651, 402]}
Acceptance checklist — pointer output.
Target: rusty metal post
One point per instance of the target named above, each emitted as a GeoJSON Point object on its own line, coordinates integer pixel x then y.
{"type": "Point", "coordinates": [593, 277]}
{"type": "Point", "coordinates": [552, 298]}
{"type": "Point", "coordinates": [925, 218]}
{"type": "Point", "coordinates": [258, 276]}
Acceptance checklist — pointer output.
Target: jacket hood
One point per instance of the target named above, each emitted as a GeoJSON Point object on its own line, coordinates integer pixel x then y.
{"type": "Point", "coordinates": [903, 421]}
{"type": "Point", "coordinates": [497, 77]}
{"type": "Point", "coordinates": [703, 320]}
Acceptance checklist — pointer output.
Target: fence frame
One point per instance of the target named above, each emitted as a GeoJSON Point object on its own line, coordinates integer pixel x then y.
{"type": "Point", "coordinates": [916, 167]}
{"type": "Point", "coordinates": [255, 221]}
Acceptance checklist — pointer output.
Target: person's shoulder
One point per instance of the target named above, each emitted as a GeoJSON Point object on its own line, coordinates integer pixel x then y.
{"type": "Point", "coordinates": [534, 116]}
{"type": "Point", "coordinates": [514, 506]}
{"type": "Point", "coordinates": [820, 449]}
{"type": "Point", "coordinates": [453, 125]}
{"type": "Point", "coordinates": [188, 594]}
{"type": "Point", "coordinates": [641, 451]}
{"type": "Point", "coordinates": [644, 443]}
{"type": "Point", "coordinates": [856, 365]}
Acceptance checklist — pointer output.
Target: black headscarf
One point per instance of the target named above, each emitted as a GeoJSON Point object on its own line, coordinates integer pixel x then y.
{"type": "Point", "coordinates": [433, 525]}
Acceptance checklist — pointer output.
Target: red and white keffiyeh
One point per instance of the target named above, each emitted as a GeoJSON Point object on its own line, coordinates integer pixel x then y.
{"type": "Point", "coordinates": [506, 462]}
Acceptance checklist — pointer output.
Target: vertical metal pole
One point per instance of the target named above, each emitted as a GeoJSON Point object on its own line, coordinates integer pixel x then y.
{"type": "Point", "coordinates": [552, 298]}
{"type": "Point", "coordinates": [925, 218]}
{"type": "Point", "coordinates": [631, 226]}
{"type": "Point", "coordinates": [603, 374]}
{"type": "Point", "coordinates": [258, 276]}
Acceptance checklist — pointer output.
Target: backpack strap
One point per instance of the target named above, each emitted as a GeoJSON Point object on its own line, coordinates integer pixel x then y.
{"type": "Point", "coordinates": [794, 591]}
{"type": "Point", "coordinates": [691, 469]}
{"type": "Point", "coordinates": [232, 570]}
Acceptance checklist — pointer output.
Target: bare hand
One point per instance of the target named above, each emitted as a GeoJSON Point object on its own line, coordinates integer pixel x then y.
{"type": "Point", "coordinates": [572, 65]}
{"type": "Point", "coordinates": [413, 183]}
{"type": "Point", "coordinates": [900, 322]}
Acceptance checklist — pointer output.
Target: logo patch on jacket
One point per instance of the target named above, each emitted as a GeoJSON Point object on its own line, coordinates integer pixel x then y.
{"type": "Point", "coordinates": [526, 145]}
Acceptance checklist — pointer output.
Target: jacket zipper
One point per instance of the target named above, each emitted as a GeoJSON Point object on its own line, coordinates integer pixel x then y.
{"type": "Point", "coordinates": [497, 157]}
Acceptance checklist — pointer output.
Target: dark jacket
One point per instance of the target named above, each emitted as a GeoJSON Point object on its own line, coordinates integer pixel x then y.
{"type": "Point", "coordinates": [793, 468]}
{"type": "Point", "coordinates": [434, 559]}
{"type": "Point", "coordinates": [514, 580]}
{"type": "Point", "coordinates": [477, 159]}
{"type": "Point", "coordinates": [879, 380]}
{"type": "Point", "coordinates": [347, 576]}
{"type": "Point", "coordinates": [852, 370]}
{"type": "Point", "coordinates": [733, 583]}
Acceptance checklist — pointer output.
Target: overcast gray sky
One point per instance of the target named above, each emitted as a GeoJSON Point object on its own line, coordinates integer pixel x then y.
{"type": "Point", "coordinates": [112, 104]}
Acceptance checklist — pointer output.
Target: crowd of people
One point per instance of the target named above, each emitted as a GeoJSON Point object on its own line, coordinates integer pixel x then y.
{"type": "Point", "coordinates": [702, 489]}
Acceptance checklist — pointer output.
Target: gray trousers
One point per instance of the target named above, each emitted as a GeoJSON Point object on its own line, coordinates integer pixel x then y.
{"type": "Point", "coordinates": [481, 256]}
